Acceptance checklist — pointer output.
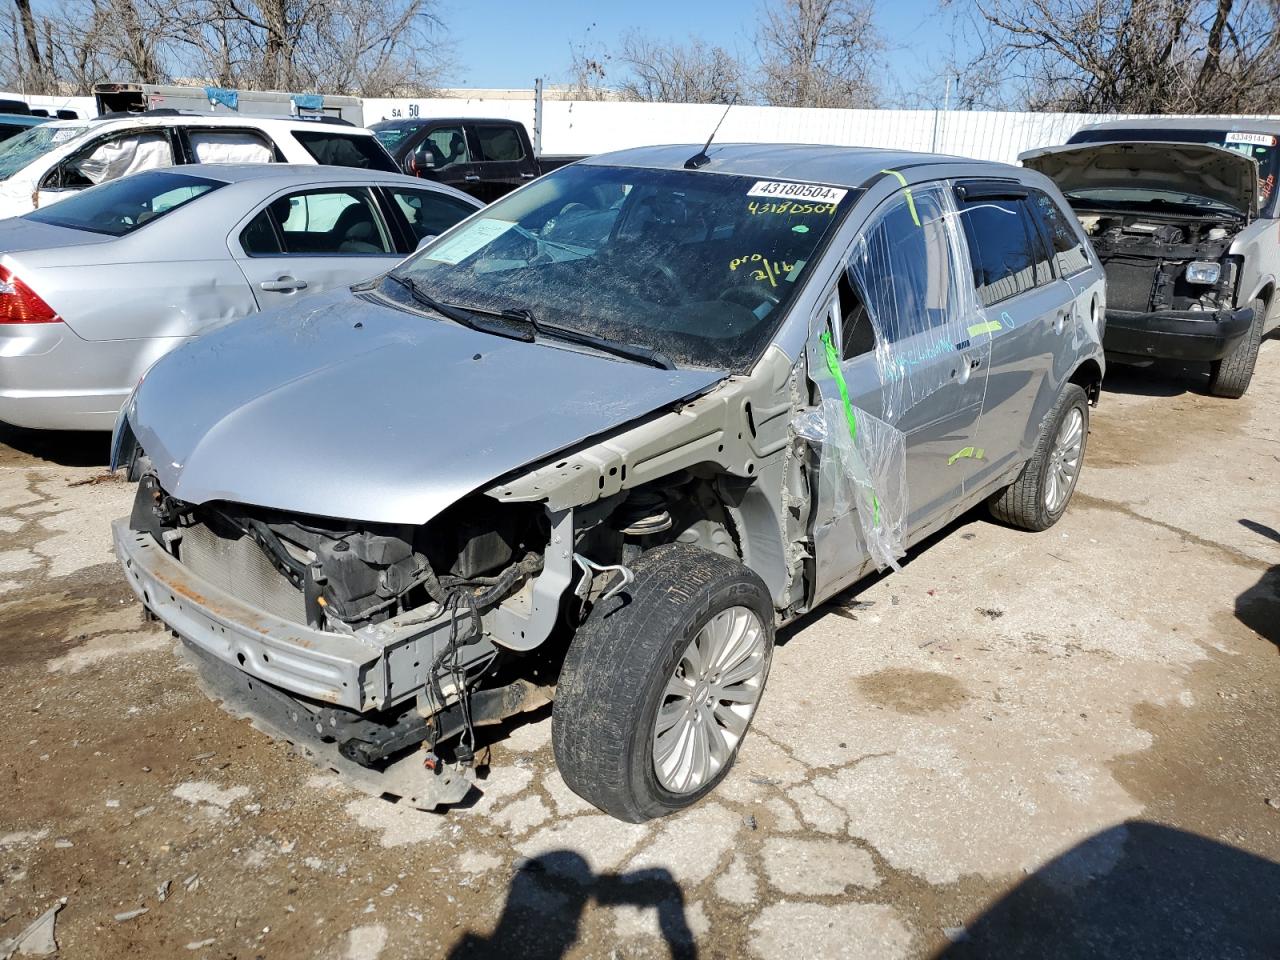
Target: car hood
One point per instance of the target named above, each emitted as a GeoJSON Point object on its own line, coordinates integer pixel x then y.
{"type": "Point", "coordinates": [347, 408]}
{"type": "Point", "coordinates": [1197, 168]}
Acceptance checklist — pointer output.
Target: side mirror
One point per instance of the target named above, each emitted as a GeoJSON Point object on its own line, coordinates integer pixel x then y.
{"type": "Point", "coordinates": [424, 241]}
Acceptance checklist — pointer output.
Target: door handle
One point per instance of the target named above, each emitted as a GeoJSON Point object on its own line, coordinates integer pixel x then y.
{"type": "Point", "coordinates": [528, 176]}
{"type": "Point", "coordinates": [283, 285]}
{"type": "Point", "coordinates": [472, 177]}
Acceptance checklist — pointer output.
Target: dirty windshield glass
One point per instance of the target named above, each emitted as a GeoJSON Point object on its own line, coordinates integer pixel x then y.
{"type": "Point", "coordinates": [697, 266]}
{"type": "Point", "coordinates": [1259, 147]}
{"type": "Point", "coordinates": [21, 150]}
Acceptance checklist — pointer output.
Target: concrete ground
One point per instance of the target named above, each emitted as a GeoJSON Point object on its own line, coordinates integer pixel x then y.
{"type": "Point", "coordinates": [1053, 745]}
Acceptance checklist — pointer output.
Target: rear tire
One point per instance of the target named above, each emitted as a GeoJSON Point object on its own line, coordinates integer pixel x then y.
{"type": "Point", "coordinates": [1039, 497]}
{"type": "Point", "coordinates": [625, 661]}
{"type": "Point", "coordinates": [1230, 376]}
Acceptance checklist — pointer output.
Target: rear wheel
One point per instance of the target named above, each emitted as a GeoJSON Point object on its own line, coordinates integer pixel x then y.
{"type": "Point", "coordinates": [1230, 376]}
{"type": "Point", "coordinates": [1039, 497]}
{"type": "Point", "coordinates": [661, 683]}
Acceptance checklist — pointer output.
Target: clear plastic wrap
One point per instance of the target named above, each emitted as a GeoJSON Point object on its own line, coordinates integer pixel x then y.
{"type": "Point", "coordinates": [864, 464]}
{"type": "Point", "coordinates": [906, 267]}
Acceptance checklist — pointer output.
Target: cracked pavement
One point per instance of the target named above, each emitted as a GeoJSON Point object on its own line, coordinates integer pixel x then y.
{"type": "Point", "coordinates": [1053, 745]}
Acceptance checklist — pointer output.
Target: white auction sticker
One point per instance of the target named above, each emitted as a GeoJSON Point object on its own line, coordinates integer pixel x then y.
{"type": "Point", "coordinates": [1258, 139]}
{"type": "Point", "coordinates": [796, 191]}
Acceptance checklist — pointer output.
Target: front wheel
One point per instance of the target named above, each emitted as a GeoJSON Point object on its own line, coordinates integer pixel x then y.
{"type": "Point", "coordinates": [1039, 497]}
{"type": "Point", "coordinates": [660, 684]}
{"type": "Point", "coordinates": [1230, 376]}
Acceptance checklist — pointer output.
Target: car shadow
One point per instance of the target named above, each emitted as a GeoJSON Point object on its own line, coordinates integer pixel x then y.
{"type": "Point", "coordinates": [548, 895]}
{"type": "Point", "coordinates": [66, 448]}
{"type": "Point", "coordinates": [1135, 890]}
{"type": "Point", "coordinates": [1162, 378]}
{"type": "Point", "coordinates": [848, 601]}
{"type": "Point", "coordinates": [1258, 608]}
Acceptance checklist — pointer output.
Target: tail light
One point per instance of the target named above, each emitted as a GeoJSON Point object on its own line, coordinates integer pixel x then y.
{"type": "Point", "coordinates": [20, 304]}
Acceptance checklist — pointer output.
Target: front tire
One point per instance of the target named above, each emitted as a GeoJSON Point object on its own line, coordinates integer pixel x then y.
{"type": "Point", "coordinates": [1230, 376]}
{"type": "Point", "coordinates": [660, 685]}
{"type": "Point", "coordinates": [1039, 497]}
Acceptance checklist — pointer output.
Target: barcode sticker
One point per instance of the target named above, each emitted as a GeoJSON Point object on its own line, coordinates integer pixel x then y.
{"type": "Point", "coordinates": [1257, 139]}
{"type": "Point", "coordinates": [796, 191]}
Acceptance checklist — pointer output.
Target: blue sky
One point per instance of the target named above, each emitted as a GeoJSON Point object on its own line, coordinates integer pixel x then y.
{"type": "Point", "coordinates": [508, 43]}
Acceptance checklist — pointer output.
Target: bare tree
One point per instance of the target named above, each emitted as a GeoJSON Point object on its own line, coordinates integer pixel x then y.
{"type": "Point", "coordinates": [819, 53]}
{"type": "Point", "coordinates": [362, 47]}
{"type": "Point", "coordinates": [1137, 56]}
{"type": "Point", "coordinates": [696, 72]}
{"type": "Point", "coordinates": [588, 66]}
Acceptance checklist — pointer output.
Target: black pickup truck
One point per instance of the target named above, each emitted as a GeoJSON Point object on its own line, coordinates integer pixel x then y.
{"type": "Point", "coordinates": [485, 158]}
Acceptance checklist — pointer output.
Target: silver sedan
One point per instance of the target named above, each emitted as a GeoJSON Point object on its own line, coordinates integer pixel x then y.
{"type": "Point", "coordinates": [94, 289]}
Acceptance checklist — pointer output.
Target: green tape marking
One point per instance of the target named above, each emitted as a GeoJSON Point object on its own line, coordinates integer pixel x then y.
{"type": "Point", "coordinates": [968, 453]}
{"type": "Point", "coordinates": [906, 191]}
{"type": "Point", "coordinates": [833, 368]}
{"type": "Point", "coordinates": [990, 326]}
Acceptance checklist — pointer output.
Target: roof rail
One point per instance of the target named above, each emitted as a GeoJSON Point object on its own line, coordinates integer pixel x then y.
{"type": "Point", "coordinates": [158, 112]}
{"type": "Point", "coordinates": [315, 118]}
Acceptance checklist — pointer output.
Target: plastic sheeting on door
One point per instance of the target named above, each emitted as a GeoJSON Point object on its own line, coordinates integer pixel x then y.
{"type": "Point", "coordinates": [124, 155]}
{"type": "Point", "coordinates": [218, 146]}
{"type": "Point", "coordinates": [907, 266]}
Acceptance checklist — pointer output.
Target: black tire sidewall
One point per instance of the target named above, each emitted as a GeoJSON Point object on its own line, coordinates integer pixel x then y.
{"type": "Point", "coordinates": [1072, 398]}
{"type": "Point", "coordinates": [653, 797]}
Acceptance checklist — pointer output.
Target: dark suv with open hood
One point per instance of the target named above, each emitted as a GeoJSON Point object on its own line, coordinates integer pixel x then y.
{"type": "Point", "coordinates": [1183, 215]}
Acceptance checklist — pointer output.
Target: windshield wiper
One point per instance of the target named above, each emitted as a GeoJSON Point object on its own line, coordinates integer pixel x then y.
{"type": "Point", "coordinates": [465, 317]}
{"type": "Point", "coordinates": [628, 351]}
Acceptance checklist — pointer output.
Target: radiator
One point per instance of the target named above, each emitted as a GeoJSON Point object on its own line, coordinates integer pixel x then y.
{"type": "Point", "coordinates": [240, 568]}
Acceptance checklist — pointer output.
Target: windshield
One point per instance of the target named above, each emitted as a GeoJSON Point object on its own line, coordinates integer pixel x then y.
{"type": "Point", "coordinates": [122, 206]}
{"type": "Point", "coordinates": [697, 266]}
{"type": "Point", "coordinates": [17, 152]}
{"type": "Point", "coordinates": [392, 134]}
{"type": "Point", "coordinates": [1259, 147]}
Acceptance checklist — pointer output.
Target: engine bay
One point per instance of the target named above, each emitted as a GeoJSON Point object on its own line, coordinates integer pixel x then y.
{"type": "Point", "coordinates": [1146, 259]}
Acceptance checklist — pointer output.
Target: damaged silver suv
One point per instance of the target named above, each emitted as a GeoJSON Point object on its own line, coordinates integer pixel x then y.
{"type": "Point", "coordinates": [596, 444]}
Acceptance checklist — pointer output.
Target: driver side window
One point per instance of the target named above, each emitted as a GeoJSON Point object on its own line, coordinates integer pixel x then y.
{"type": "Point", "coordinates": [442, 148]}
{"type": "Point", "coordinates": [857, 336]}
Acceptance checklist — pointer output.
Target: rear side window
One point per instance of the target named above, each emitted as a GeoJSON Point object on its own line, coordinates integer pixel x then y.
{"type": "Point", "coordinates": [430, 213]}
{"type": "Point", "coordinates": [340, 220]}
{"type": "Point", "coordinates": [499, 143]}
{"type": "Point", "coordinates": [229, 146]}
{"type": "Point", "coordinates": [1005, 246]}
{"type": "Point", "coordinates": [345, 150]}
{"type": "Point", "coordinates": [122, 206]}
{"type": "Point", "coordinates": [1068, 248]}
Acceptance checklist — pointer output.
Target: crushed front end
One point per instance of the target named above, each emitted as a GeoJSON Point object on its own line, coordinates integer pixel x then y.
{"type": "Point", "coordinates": [371, 646]}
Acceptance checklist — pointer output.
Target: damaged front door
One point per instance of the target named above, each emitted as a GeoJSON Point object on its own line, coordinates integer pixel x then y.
{"type": "Point", "coordinates": [899, 376]}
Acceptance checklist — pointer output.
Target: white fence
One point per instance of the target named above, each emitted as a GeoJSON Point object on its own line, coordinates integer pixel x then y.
{"type": "Point", "coordinates": [577, 127]}
{"type": "Point", "coordinates": [586, 127]}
